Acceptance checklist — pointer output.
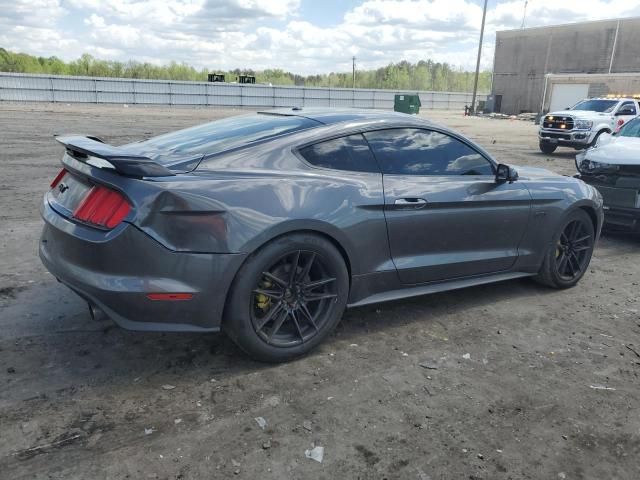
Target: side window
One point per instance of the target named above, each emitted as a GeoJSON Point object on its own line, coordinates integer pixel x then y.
{"type": "Point", "coordinates": [424, 152]}
{"type": "Point", "coordinates": [628, 106]}
{"type": "Point", "coordinates": [344, 153]}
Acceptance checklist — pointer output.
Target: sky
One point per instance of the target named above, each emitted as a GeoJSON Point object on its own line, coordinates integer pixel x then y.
{"type": "Point", "coordinates": [301, 36]}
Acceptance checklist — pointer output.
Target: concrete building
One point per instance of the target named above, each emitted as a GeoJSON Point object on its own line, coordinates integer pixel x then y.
{"type": "Point", "coordinates": [565, 63]}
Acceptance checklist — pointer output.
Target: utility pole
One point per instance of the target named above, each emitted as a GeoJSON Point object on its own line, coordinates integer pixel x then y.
{"type": "Point", "coordinates": [524, 14]}
{"type": "Point", "coordinates": [354, 71]}
{"type": "Point", "coordinates": [475, 82]}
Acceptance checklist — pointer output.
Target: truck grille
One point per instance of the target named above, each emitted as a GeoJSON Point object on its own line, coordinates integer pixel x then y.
{"type": "Point", "coordinates": [618, 197]}
{"type": "Point", "coordinates": [559, 122]}
{"type": "Point", "coordinates": [631, 170]}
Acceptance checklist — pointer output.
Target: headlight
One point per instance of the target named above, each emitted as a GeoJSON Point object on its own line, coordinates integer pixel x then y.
{"type": "Point", "coordinates": [584, 124]}
{"type": "Point", "coordinates": [592, 168]}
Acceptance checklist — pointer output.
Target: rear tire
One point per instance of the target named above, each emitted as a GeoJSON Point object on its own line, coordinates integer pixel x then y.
{"type": "Point", "coordinates": [569, 253]}
{"type": "Point", "coordinates": [547, 148]}
{"type": "Point", "coordinates": [287, 297]}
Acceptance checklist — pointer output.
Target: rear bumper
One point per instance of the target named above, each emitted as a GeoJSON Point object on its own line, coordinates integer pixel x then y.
{"type": "Point", "coordinates": [116, 270]}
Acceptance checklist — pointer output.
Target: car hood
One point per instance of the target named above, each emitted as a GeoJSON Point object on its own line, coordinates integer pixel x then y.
{"type": "Point", "coordinates": [582, 115]}
{"type": "Point", "coordinates": [618, 151]}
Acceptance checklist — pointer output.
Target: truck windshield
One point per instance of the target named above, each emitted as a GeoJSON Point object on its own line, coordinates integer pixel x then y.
{"type": "Point", "coordinates": [630, 129]}
{"type": "Point", "coordinates": [603, 106]}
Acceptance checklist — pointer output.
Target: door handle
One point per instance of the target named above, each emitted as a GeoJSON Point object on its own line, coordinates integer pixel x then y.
{"type": "Point", "coordinates": [410, 202]}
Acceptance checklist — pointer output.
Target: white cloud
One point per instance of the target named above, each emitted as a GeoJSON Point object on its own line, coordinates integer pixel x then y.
{"type": "Point", "coordinates": [271, 33]}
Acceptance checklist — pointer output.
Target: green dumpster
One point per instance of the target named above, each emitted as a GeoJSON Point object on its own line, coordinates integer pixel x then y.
{"type": "Point", "coordinates": [407, 104]}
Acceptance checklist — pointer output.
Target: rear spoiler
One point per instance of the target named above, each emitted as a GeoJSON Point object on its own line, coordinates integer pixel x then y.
{"type": "Point", "coordinates": [88, 149]}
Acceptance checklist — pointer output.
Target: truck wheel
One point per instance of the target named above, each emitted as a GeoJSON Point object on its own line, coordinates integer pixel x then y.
{"type": "Point", "coordinates": [547, 148]}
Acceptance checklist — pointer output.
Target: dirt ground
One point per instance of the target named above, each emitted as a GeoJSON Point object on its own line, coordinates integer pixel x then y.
{"type": "Point", "coordinates": [506, 381]}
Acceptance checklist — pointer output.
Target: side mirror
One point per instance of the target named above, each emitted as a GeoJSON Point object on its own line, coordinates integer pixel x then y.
{"type": "Point", "coordinates": [505, 173]}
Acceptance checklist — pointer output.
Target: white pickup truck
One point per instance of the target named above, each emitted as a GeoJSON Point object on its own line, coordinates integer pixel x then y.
{"type": "Point", "coordinates": [580, 126]}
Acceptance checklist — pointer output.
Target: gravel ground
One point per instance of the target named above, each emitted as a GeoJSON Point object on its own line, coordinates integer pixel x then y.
{"type": "Point", "coordinates": [506, 381]}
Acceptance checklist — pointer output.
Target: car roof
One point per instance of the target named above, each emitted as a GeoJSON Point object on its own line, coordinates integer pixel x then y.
{"type": "Point", "coordinates": [330, 116]}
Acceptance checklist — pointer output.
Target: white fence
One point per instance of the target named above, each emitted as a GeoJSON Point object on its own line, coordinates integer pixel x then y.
{"type": "Point", "coordinates": [19, 87]}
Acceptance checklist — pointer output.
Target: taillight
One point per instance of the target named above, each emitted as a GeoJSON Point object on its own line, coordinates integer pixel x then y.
{"type": "Point", "coordinates": [103, 207]}
{"type": "Point", "coordinates": [58, 178]}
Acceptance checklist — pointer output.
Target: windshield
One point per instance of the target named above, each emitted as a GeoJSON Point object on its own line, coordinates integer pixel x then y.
{"type": "Point", "coordinates": [603, 106]}
{"type": "Point", "coordinates": [221, 135]}
{"type": "Point", "coordinates": [630, 129]}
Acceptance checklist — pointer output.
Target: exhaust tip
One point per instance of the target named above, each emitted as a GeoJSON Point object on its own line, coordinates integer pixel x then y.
{"type": "Point", "coordinates": [96, 313]}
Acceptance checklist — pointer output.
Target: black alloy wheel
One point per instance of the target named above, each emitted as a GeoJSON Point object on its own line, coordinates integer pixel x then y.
{"type": "Point", "coordinates": [293, 299]}
{"type": "Point", "coordinates": [569, 252]}
{"type": "Point", "coordinates": [574, 250]}
{"type": "Point", "coordinates": [287, 297]}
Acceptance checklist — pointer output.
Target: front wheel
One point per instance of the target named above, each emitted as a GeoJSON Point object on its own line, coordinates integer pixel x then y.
{"type": "Point", "coordinates": [287, 298]}
{"type": "Point", "coordinates": [569, 253]}
{"type": "Point", "coordinates": [548, 148]}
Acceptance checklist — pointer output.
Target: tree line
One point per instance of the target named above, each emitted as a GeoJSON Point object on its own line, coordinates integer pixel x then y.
{"type": "Point", "coordinates": [404, 75]}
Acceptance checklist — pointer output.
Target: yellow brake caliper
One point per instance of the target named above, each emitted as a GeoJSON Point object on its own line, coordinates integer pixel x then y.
{"type": "Point", "coordinates": [262, 301]}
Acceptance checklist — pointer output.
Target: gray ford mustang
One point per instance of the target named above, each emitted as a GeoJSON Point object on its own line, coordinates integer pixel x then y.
{"type": "Point", "coordinates": [268, 225]}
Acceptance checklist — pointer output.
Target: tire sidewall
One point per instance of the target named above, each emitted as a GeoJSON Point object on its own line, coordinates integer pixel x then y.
{"type": "Point", "coordinates": [237, 322]}
{"type": "Point", "coordinates": [547, 148]}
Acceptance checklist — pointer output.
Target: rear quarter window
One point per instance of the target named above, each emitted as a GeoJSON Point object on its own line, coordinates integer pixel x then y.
{"type": "Point", "coordinates": [350, 153]}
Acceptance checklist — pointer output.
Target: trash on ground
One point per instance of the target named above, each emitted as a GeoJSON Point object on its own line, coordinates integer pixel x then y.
{"type": "Point", "coordinates": [601, 387]}
{"type": "Point", "coordinates": [149, 431]}
{"type": "Point", "coordinates": [307, 425]}
{"type": "Point", "coordinates": [466, 356]}
{"type": "Point", "coordinates": [168, 387]}
{"type": "Point", "coordinates": [629, 347]}
{"type": "Point", "coordinates": [428, 365]}
{"type": "Point", "coordinates": [316, 453]}
{"type": "Point", "coordinates": [261, 422]}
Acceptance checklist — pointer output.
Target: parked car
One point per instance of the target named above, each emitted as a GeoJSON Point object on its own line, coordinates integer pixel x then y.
{"type": "Point", "coordinates": [580, 126]}
{"type": "Point", "coordinates": [267, 226]}
{"type": "Point", "coordinates": [613, 167]}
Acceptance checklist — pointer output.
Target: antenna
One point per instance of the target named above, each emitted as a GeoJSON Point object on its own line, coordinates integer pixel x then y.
{"type": "Point", "coordinates": [524, 13]}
